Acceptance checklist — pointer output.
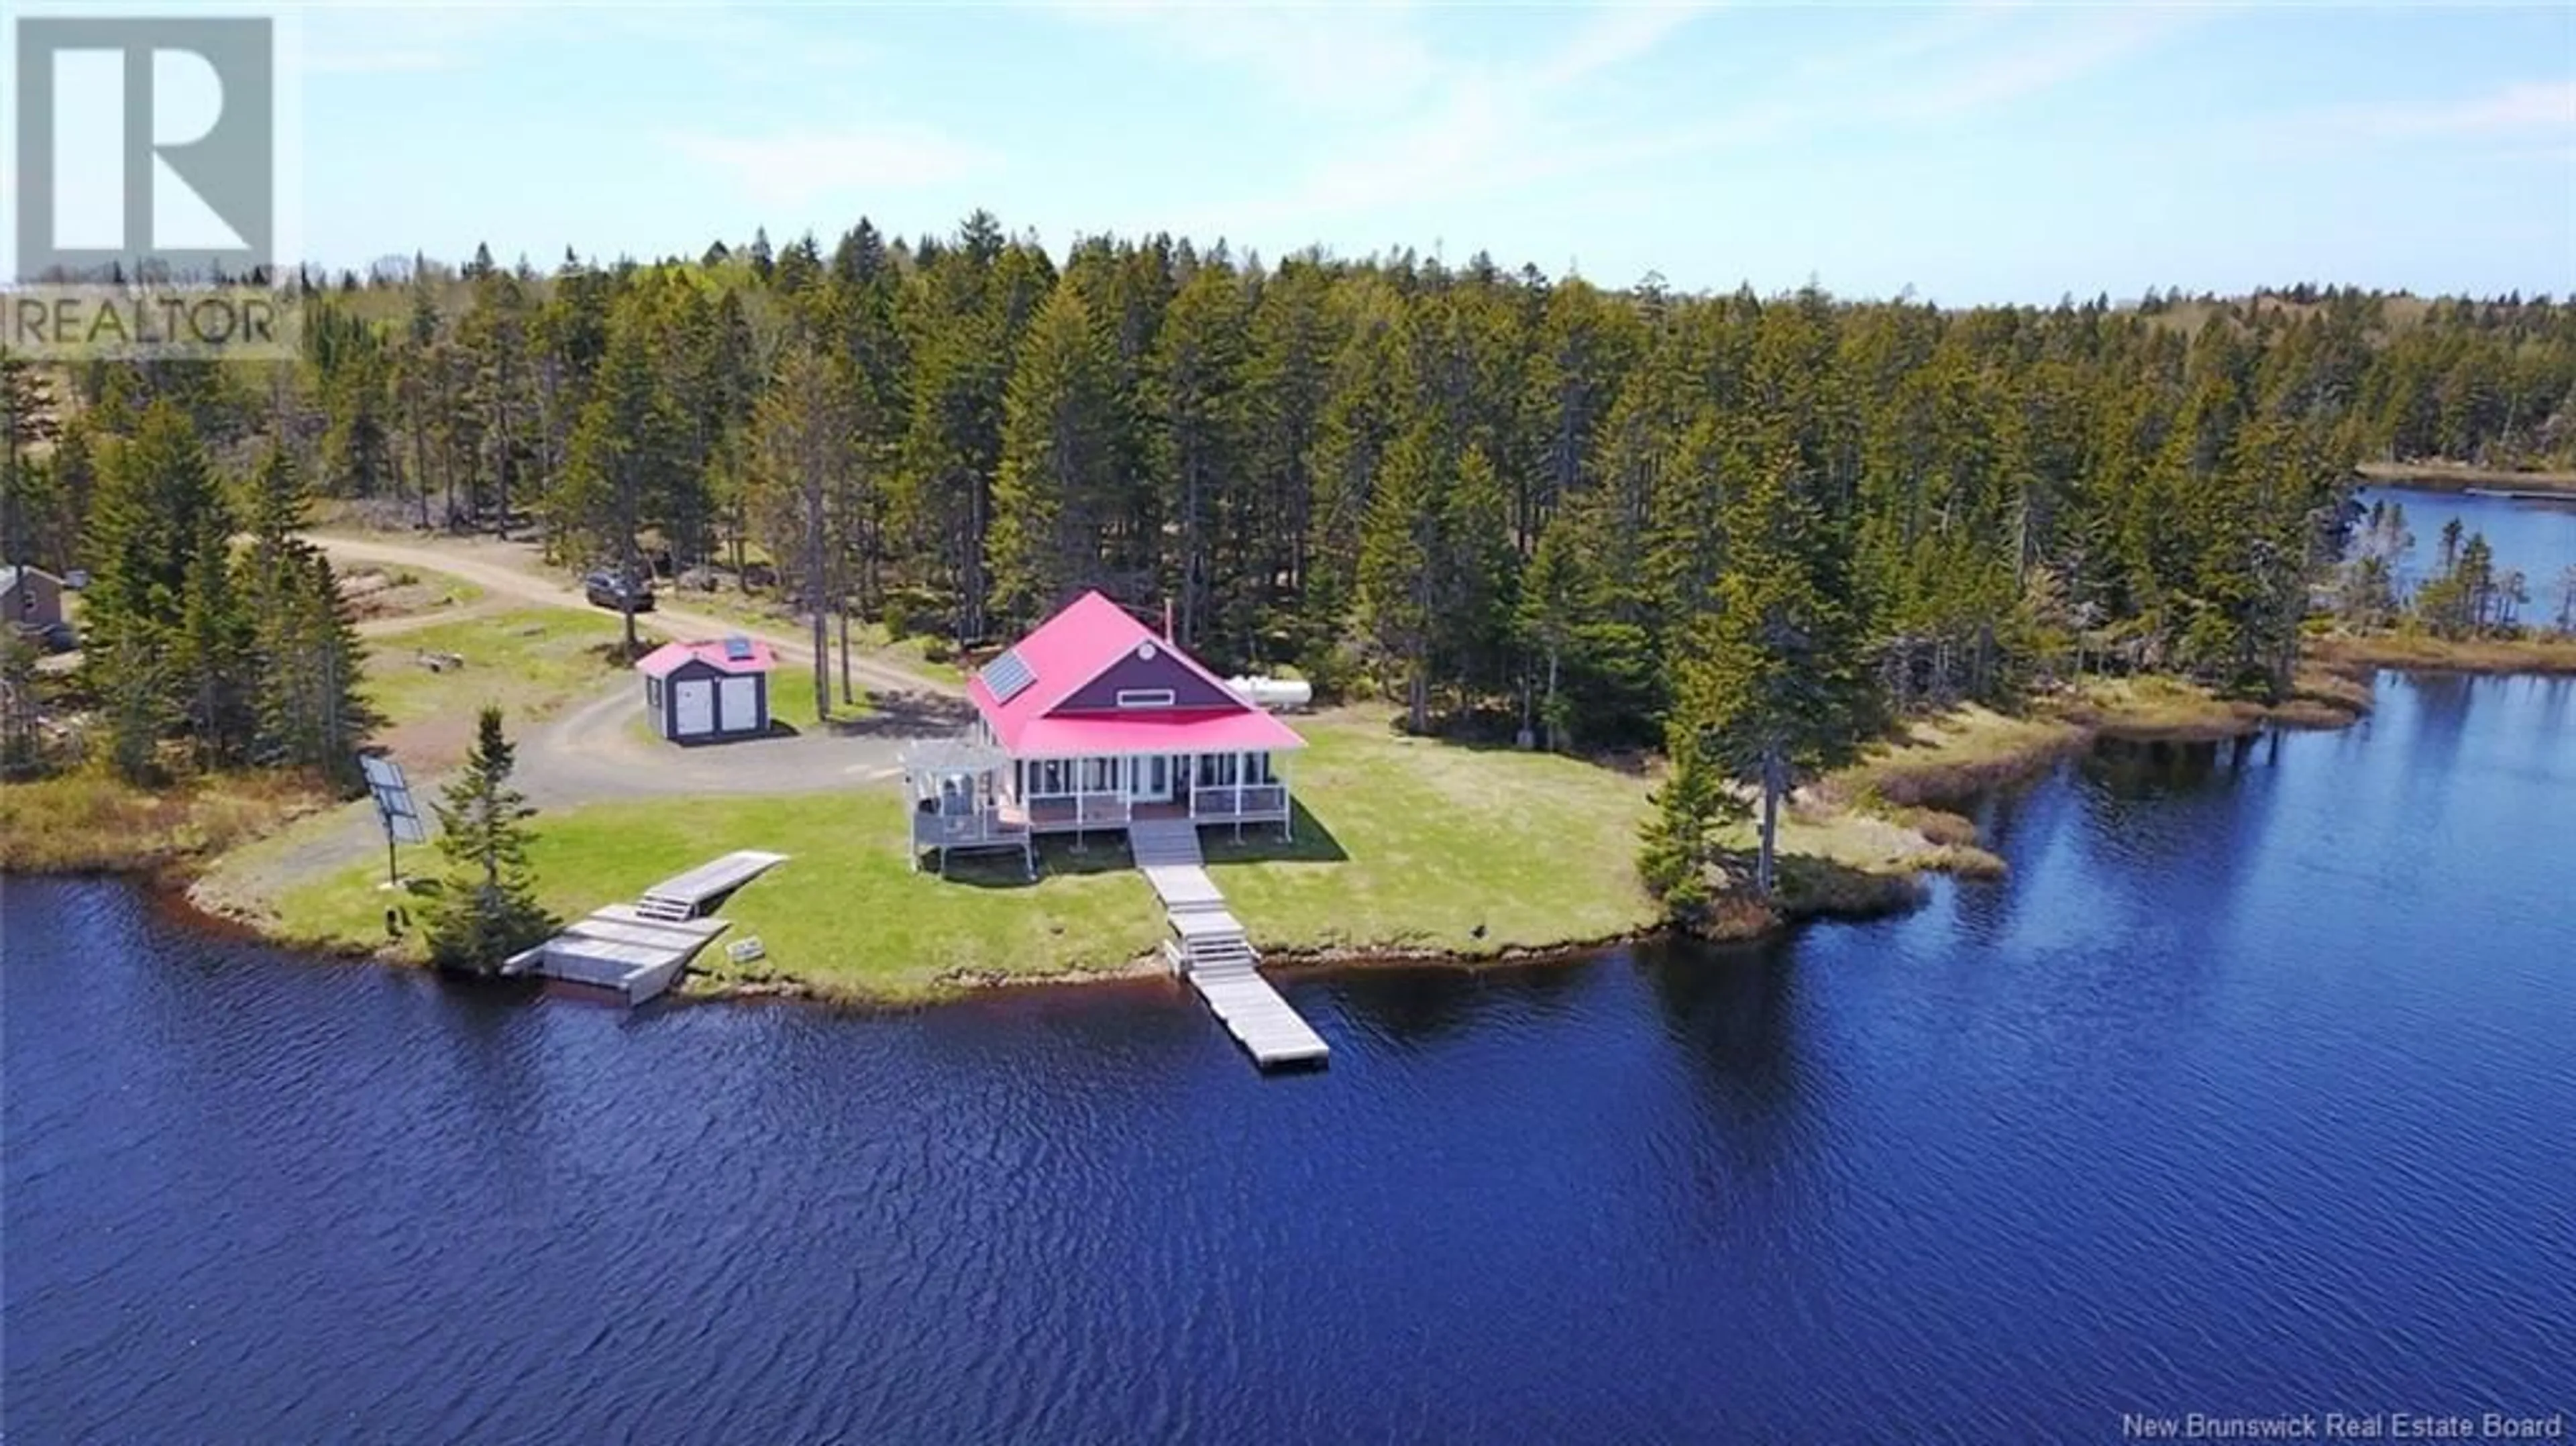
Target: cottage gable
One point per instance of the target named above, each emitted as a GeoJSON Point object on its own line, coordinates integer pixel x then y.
{"type": "Point", "coordinates": [1148, 677]}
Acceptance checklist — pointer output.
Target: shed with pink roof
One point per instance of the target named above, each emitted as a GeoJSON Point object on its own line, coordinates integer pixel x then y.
{"type": "Point", "coordinates": [708, 692]}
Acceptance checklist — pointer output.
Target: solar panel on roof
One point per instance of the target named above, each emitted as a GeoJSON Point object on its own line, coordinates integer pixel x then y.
{"type": "Point", "coordinates": [1007, 676]}
{"type": "Point", "coordinates": [737, 649]}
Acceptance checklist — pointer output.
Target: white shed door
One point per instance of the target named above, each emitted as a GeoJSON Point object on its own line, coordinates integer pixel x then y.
{"type": "Point", "coordinates": [696, 704]}
{"type": "Point", "coordinates": [739, 702]}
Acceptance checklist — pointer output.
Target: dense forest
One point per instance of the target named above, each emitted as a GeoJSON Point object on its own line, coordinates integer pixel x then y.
{"type": "Point", "coordinates": [1505, 500]}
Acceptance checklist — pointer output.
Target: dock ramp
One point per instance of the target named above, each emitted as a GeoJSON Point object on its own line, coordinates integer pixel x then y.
{"type": "Point", "coordinates": [1208, 948]}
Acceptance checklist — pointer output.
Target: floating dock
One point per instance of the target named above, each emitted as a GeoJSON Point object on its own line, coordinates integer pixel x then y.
{"type": "Point", "coordinates": [1209, 949]}
{"type": "Point", "coordinates": [639, 950]}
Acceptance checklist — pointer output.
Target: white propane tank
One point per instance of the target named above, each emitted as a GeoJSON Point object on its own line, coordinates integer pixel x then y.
{"type": "Point", "coordinates": [1274, 694]}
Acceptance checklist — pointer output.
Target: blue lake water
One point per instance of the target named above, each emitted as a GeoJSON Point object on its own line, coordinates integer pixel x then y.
{"type": "Point", "coordinates": [2250, 1091]}
{"type": "Point", "coordinates": [2537, 537]}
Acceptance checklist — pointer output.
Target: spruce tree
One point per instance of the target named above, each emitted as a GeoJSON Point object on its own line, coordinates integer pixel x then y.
{"type": "Point", "coordinates": [157, 504]}
{"type": "Point", "coordinates": [484, 909]}
{"type": "Point", "coordinates": [1398, 576]}
{"type": "Point", "coordinates": [307, 707]}
{"type": "Point", "coordinates": [214, 655]}
{"type": "Point", "coordinates": [1774, 685]}
{"type": "Point", "coordinates": [1678, 847]}
{"type": "Point", "coordinates": [27, 421]}
{"type": "Point", "coordinates": [1059, 464]}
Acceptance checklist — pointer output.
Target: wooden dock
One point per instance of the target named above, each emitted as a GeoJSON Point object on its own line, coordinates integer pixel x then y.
{"type": "Point", "coordinates": [1209, 949]}
{"type": "Point", "coordinates": [620, 949]}
{"type": "Point", "coordinates": [638, 950]}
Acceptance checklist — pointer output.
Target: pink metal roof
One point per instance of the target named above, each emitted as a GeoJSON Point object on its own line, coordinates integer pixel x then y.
{"type": "Point", "coordinates": [1076, 646]}
{"type": "Point", "coordinates": [659, 662]}
{"type": "Point", "coordinates": [1197, 730]}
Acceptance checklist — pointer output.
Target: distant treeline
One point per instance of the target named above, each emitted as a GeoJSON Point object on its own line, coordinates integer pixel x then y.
{"type": "Point", "coordinates": [1490, 493]}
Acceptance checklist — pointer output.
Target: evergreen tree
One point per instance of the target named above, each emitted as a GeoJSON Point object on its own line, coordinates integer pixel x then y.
{"type": "Point", "coordinates": [485, 907]}
{"type": "Point", "coordinates": [1398, 575]}
{"type": "Point", "coordinates": [1678, 846]}
{"type": "Point", "coordinates": [27, 421]}
{"type": "Point", "coordinates": [303, 646]}
{"type": "Point", "coordinates": [158, 504]}
{"type": "Point", "coordinates": [621, 457]}
{"type": "Point", "coordinates": [213, 648]}
{"type": "Point", "coordinates": [801, 440]}
{"type": "Point", "coordinates": [1053, 501]}
{"type": "Point", "coordinates": [1774, 684]}
{"type": "Point", "coordinates": [1197, 389]}
{"type": "Point", "coordinates": [22, 687]}
{"type": "Point", "coordinates": [1476, 578]}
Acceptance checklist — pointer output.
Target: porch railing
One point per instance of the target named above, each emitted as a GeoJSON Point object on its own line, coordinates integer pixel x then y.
{"type": "Point", "coordinates": [1233, 801]}
{"type": "Point", "coordinates": [1066, 810]}
{"type": "Point", "coordinates": [965, 830]}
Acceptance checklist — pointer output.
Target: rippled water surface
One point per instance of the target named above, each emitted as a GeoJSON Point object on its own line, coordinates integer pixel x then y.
{"type": "Point", "coordinates": [2251, 1090]}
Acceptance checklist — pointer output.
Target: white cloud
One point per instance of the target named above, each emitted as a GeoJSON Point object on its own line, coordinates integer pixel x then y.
{"type": "Point", "coordinates": [1355, 58]}
{"type": "Point", "coordinates": [2519, 109]}
{"type": "Point", "coordinates": [794, 168]}
{"type": "Point", "coordinates": [2069, 45]}
{"type": "Point", "coordinates": [1470, 126]}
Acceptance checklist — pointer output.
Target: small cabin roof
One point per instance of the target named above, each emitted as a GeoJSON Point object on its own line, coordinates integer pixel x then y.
{"type": "Point", "coordinates": [725, 655]}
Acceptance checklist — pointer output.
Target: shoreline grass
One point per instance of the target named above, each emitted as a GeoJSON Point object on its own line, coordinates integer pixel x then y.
{"type": "Point", "coordinates": [2422, 652]}
{"type": "Point", "coordinates": [2461, 476]}
{"type": "Point", "coordinates": [89, 822]}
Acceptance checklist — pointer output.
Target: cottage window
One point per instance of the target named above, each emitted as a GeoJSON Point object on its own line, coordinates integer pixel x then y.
{"type": "Point", "coordinates": [1099, 775]}
{"type": "Point", "coordinates": [1051, 777]}
{"type": "Point", "coordinates": [1256, 769]}
{"type": "Point", "coordinates": [1144, 697]}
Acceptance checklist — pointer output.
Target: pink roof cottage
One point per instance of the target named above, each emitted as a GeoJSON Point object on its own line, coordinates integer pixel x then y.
{"type": "Point", "coordinates": [1087, 724]}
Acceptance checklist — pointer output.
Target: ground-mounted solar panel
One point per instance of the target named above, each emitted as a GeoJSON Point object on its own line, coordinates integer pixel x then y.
{"type": "Point", "coordinates": [393, 797]}
{"type": "Point", "coordinates": [737, 649]}
{"type": "Point", "coordinates": [1007, 675]}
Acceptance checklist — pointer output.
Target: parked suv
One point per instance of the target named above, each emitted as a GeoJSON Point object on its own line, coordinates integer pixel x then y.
{"type": "Point", "coordinates": [608, 590]}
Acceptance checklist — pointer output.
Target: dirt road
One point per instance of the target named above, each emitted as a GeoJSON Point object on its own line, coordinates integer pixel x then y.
{"type": "Point", "coordinates": [507, 569]}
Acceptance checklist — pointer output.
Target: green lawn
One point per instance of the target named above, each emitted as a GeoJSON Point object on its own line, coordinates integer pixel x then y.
{"type": "Point", "coordinates": [1410, 843]}
{"type": "Point", "coordinates": [1404, 844]}
{"type": "Point", "coordinates": [530, 661]}
{"type": "Point", "coordinates": [791, 697]}
{"type": "Point", "coordinates": [844, 914]}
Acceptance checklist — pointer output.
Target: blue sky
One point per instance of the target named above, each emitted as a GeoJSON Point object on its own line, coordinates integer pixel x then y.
{"type": "Point", "coordinates": [1974, 153]}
